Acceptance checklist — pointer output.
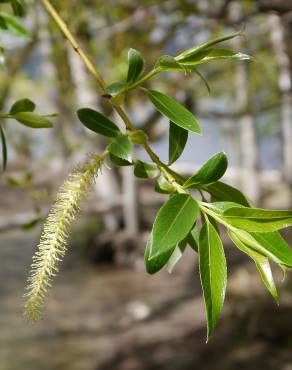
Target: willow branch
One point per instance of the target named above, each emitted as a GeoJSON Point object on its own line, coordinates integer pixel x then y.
{"type": "Point", "coordinates": [171, 175]}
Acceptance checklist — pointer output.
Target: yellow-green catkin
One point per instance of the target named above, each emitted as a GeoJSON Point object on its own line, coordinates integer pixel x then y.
{"type": "Point", "coordinates": [54, 238]}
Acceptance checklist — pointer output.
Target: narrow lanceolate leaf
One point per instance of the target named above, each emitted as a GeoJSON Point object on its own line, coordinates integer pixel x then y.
{"type": "Point", "coordinates": [136, 65]}
{"type": "Point", "coordinates": [146, 170]}
{"type": "Point", "coordinates": [12, 26]}
{"type": "Point", "coordinates": [210, 172]}
{"type": "Point", "coordinates": [193, 238]}
{"type": "Point", "coordinates": [215, 54]}
{"type": "Point", "coordinates": [97, 122]}
{"type": "Point", "coordinates": [155, 264]}
{"type": "Point", "coordinates": [279, 252]}
{"type": "Point", "coordinates": [177, 113]}
{"type": "Point", "coordinates": [262, 264]}
{"type": "Point", "coordinates": [221, 191]}
{"type": "Point", "coordinates": [275, 244]}
{"type": "Point", "coordinates": [257, 220]}
{"type": "Point", "coordinates": [32, 120]}
{"type": "Point", "coordinates": [178, 137]}
{"type": "Point", "coordinates": [173, 222]}
{"type": "Point", "coordinates": [22, 105]}
{"type": "Point", "coordinates": [4, 148]}
{"type": "Point", "coordinates": [213, 273]}
{"type": "Point", "coordinates": [121, 147]}
{"type": "Point", "coordinates": [193, 51]}
{"type": "Point", "coordinates": [176, 255]}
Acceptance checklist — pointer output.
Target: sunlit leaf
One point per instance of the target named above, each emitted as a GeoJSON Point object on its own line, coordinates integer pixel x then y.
{"type": "Point", "coordinates": [262, 264]}
{"type": "Point", "coordinates": [163, 186]}
{"type": "Point", "coordinates": [32, 120]}
{"type": "Point", "coordinates": [221, 191]}
{"type": "Point", "coordinates": [121, 147]}
{"type": "Point", "coordinates": [136, 65]}
{"type": "Point", "coordinates": [258, 220]}
{"type": "Point", "coordinates": [155, 264]}
{"type": "Point", "coordinates": [22, 105]}
{"type": "Point", "coordinates": [213, 273]}
{"type": "Point", "coordinates": [120, 162]}
{"type": "Point", "coordinates": [177, 113]}
{"type": "Point", "coordinates": [178, 137]}
{"type": "Point", "coordinates": [97, 122]}
{"type": "Point", "coordinates": [173, 222]}
{"type": "Point", "coordinates": [195, 50]}
{"type": "Point", "coordinates": [176, 255]}
{"type": "Point", "coordinates": [146, 170]}
{"type": "Point", "coordinates": [210, 172]}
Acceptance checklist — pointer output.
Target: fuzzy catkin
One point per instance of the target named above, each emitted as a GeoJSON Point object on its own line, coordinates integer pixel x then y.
{"type": "Point", "coordinates": [54, 237]}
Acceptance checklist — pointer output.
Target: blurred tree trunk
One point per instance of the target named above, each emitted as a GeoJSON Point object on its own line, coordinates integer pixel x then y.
{"type": "Point", "coordinates": [285, 86]}
{"type": "Point", "coordinates": [106, 186]}
{"type": "Point", "coordinates": [247, 128]}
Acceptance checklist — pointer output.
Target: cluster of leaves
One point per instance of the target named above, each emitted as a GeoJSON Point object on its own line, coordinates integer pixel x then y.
{"type": "Point", "coordinates": [254, 231]}
{"type": "Point", "coordinates": [10, 25]}
{"type": "Point", "coordinates": [22, 111]}
{"type": "Point", "coordinates": [183, 220]}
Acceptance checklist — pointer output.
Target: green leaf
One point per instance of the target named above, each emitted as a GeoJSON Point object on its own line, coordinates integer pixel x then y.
{"type": "Point", "coordinates": [195, 50]}
{"type": "Point", "coordinates": [276, 245]}
{"type": "Point", "coordinates": [121, 147]}
{"type": "Point", "coordinates": [168, 63]}
{"type": "Point", "coordinates": [155, 264]}
{"type": "Point", "coordinates": [4, 148]}
{"type": "Point", "coordinates": [31, 120]}
{"type": "Point", "coordinates": [210, 172]}
{"type": "Point", "coordinates": [136, 65]}
{"type": "Point", "coordinates": [31, 224]}
{"type": "Point", "coordinates": [138, 136]}
{"type": "Point", "coordinates": [193, 239]}
{"type": "Point", "coordinates": [257, 220]}
{"type": "Point", "coordinates": [178, 137]}
{"type": "Point", "coordinates": [262, 264]}
{"type": "Point", "coordinates": [220, 207]}
{"type": "Point", "coordinates": [280, 252]}
{"type": "Point", "coordinates": [146, 170]}
{"type": "Point", "coordinates": [173, 222]}
{"type": "Point", "coordinates": [177, 113]}
{"type": "Point", "coordinates": [213, 273]}
{"type": "Point", "coordinates": [163, 186]}
{"type": "Point", "coordinates": [12, 26]}
{"type": "Point", "coordinates": [176, 255]}
{"type": "Point", "coordinates": [97, 122]}
{"type": "Point", "coordinates": [22, 105]}
{"type": "Point", "coordinates": [215, 54]}
{"type": "Point", "coordinates": [119, 162]}
{"type": "Point", "coordinates": [115, 88]}
{"type": "Point", "coordinates": [18, 8]}
{"type": "Point", "coordinates": [221, 191]}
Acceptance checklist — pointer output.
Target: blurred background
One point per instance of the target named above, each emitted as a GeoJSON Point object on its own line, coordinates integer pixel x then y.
{"type": "Point", "coordinates": [104, 311]}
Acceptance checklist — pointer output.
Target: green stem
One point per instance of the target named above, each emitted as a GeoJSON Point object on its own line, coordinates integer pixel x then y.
{"type": "Point", "coordinates": [171, 175]}
{"type": "Point", "coordinates": [137, 83]}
